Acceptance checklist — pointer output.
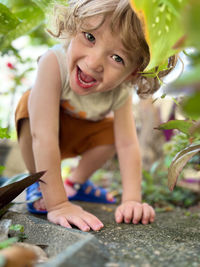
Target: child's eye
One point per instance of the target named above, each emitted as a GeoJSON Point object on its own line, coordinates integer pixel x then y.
{"type": "Point", "coordinates": [89, 37]}
{"type": "Point", "coordinates": [118, 59]}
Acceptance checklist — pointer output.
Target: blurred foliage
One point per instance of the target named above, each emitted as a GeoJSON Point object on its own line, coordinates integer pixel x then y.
{"type": "Point", "coordinates": [177, 143]}
{"type": "Point", "coordinates": [19, 236]}
{"type": "Point", "coordinates": [184, 144]}
{"type": "Point", "coordinates": [154, 186]}
{"type": "Point", "coordinates": [21, 17]}
{"type": "Point", "coordinates": [2, 168]}
{"type": "Point", "coordinates": [17, 75]}
{"type": "Point", "coordinates": [156, 192]}
{"type": "Point", "coordinates": [4, 133]}
{"type": "Point", "coordinates": [24, 17]}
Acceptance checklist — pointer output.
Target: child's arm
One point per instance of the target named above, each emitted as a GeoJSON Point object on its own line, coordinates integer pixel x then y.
{"type": "Point", "coordinates": [44, 106]}
{"type": "Point", "coordinates": [131, 209]}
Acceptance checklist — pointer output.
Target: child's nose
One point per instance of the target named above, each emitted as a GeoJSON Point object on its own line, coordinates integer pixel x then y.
{"type": "Point", "coordinates": [95, 62]}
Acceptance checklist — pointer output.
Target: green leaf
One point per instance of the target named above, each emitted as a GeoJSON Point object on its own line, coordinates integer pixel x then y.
{"type": "Point", "coordinates": [32, 18]}
{"type": "Point", "coordinates": [8, 242]}
{"type": "Point", "coordinates": [163, 26]}
{"type": "Point", "coordinates": [17, 228]}
{"type": "Point", "coordinates": [191, 21]}
{"type": "Point", "coordinates": [8, 20]}
{"type": "Point", "coordinates": [181, 125]}
{"type": "Point", "coordinates": [191, 107]}
{"type": "Point", "coordinates": [178, 163]}
{"type": "Point", "coordinates": [47, 4]}
{"type": "Point", "coordinates": [4, 133]}
{"type": "Point", "coordinates": [1, 169]}
{"type": "Point", "coordinates": [43, 4]}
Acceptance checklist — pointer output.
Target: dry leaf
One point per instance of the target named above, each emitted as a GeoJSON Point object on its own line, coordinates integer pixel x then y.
{"type": "Point", "coordinates": [10, 191]}
{"type": "Point", "coordinates": [179, 162]}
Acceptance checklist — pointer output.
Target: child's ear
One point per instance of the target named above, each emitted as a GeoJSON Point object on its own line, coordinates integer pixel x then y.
{"type": "Point", "coordinates": [133, 76]}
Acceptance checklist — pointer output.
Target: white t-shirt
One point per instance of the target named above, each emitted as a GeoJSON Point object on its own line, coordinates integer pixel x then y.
{"type": "Point", "coordinates": [93, 106]}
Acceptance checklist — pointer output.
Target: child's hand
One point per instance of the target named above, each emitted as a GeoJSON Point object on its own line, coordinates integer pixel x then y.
{"type": "Point", "coordinates": [132, 211]}
{"type": "Point", "coordinates": [67, 214]}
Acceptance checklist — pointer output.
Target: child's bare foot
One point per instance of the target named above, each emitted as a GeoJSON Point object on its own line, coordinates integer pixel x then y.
{"type": "Point", "coordinates": [35, 201]}
{"type": "Point", "coordinates": [39, 205]}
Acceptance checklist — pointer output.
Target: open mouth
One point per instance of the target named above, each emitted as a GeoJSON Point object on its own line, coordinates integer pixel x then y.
{"type": "Point", "coordinates": [84, 80]}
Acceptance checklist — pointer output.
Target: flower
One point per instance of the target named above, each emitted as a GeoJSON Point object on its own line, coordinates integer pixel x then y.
{"type": "Point", "coordinates": [10, 66]}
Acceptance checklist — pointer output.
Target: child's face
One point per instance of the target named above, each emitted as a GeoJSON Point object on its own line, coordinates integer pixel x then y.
{"type": "Point", "coordinates": [97, 61]}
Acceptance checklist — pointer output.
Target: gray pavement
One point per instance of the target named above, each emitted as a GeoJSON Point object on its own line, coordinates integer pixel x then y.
{"type": "Point", "coordinates": [172, 240]}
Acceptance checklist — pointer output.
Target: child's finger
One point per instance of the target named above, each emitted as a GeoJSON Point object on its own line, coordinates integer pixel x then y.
{"type": "Point", "coordinates": [137, 214]}
{"type": "Point", "coordinates": [146, 213]}
{"type": "Point", "coordinates": [118, 216]}
{"type": "Point", "coordinates": [152, 215]}
{"type": "Point", "coordinates": [79, 222]}
{"type": "Point", "coordinates": [63, 222]}
{"type": "Point", "coordinates": [92, 221]}
{"type": "Point", "coordinates": [128, 214]}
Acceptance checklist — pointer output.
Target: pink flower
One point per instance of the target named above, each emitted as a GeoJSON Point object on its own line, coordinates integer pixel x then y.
{"type": "Point", "coordinates": [10, 66]}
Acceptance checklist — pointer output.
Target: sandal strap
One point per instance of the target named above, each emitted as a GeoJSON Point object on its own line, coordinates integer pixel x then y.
{"type": "Point", "coordinates": [76, 186]}
{"type": "Point", "coordinates": [81, 194]}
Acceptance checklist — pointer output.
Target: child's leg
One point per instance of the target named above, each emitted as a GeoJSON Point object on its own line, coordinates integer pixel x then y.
{"type": "Point", "coordinates": [91, 161]}
{"type": "Point", "coordinates": [25, 144]}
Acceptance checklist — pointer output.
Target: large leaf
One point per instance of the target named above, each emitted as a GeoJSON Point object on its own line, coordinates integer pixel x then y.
{"type": "Point", "coordinates": [8, 20]}
{"type": "Point", "coordinates": [12, 189]}
{"type": "Point", "coordinates": [178, 163]}
{"type": "Point", "coordinates": [44, 4]}
{"type": "Point", "coordinates": [181, 125]}
{"type": "Point", "coordinates": [162, 25]}
{"type": "Point", "coordinates": [31, 17]}
{"type": "Point", "coordinates": [191, 21]}
{"type": "Point", "coordinates": [31, 14]}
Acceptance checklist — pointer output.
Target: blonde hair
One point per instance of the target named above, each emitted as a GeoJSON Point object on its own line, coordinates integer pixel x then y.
{"type": "Point", "coordinates": [70, 19]}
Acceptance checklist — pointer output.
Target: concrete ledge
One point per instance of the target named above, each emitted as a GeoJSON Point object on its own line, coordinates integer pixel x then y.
{"type": "Point", "coordinates": [84, 253]}
{"type": "Point", "coordinates": [64, 247]}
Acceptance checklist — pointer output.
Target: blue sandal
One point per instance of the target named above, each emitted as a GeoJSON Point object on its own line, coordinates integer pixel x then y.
{"type": "Point", "coordinates": [33, 193]}
{"type": "Point", "coordinates": [81, 194]}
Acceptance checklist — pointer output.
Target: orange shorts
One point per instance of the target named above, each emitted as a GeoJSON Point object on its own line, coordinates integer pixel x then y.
{"type": "Point", "coordinates": [75, 135]}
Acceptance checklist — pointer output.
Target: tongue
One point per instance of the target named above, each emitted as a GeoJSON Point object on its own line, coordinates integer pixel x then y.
{"type": "Point", "coordinates": [86, 78]}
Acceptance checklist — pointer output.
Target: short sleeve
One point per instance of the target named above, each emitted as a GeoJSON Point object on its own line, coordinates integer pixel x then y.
{"type": "Point", "coordinates": [120, 96]}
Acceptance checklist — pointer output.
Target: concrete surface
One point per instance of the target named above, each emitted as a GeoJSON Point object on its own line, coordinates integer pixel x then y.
{"type": "Point", "coordinates": [173, 240]}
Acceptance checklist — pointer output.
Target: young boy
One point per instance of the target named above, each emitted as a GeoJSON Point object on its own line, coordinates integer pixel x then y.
{"type": "Point", "coordinates": [66, 113]}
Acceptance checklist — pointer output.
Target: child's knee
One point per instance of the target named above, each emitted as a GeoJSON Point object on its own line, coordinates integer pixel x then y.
{"type": "Point", "coordinates": [23, 129]}
{"type": "Point", "coordinates": [110, 149]}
